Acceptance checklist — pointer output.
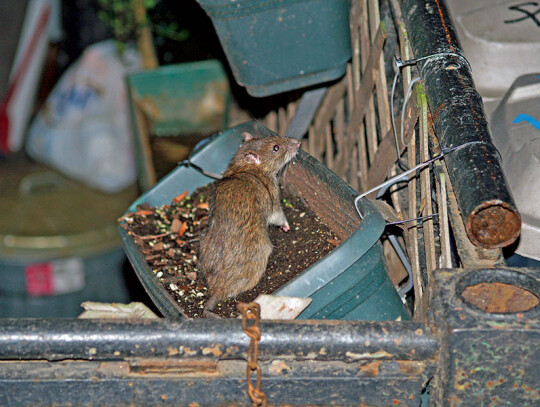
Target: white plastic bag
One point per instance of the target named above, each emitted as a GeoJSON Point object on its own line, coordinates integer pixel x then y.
{"type": "Point", "coordinates": [83, 129]}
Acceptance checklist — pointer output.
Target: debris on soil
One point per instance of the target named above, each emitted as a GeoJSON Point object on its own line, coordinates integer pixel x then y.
{"type": "Point", "coordinates": [168, 236]}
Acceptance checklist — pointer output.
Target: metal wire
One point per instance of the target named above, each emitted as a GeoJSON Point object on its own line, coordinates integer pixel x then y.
{"type": "Point", "coordinates": [188, 163]}
{"type": "Point", "coordinates": [399, 65]}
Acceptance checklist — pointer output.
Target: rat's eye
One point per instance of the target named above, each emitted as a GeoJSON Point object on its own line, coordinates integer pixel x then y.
{"type": "Point", "coordinates": [276, 147]}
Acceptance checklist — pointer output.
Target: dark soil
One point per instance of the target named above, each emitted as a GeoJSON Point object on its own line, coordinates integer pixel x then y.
{"type": "Point", "coordinates": [169, 238]}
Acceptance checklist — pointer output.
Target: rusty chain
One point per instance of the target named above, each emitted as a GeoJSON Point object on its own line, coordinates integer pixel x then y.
{"type": "Point", "coordinates": [252, 311]}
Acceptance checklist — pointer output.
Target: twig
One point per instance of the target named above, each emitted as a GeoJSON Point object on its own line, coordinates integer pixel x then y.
{"type": "Point", "coordinates": [150, 237]}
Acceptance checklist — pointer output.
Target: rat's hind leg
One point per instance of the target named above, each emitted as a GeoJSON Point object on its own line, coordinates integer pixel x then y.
{"type": "Point", "coordinates": [278, 218]}
{"type": "Point", "coordinates": [209, 306]}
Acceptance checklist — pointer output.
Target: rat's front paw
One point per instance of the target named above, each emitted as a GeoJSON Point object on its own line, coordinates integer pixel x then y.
{"type": "Point", "coordinates": [285, 226]}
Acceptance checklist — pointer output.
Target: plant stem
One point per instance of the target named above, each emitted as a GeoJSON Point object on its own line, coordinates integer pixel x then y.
{"type": "Point", "coordinates": [145, 43]}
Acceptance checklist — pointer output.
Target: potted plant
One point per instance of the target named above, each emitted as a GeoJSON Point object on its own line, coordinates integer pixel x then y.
{"type": "Point", "coordinates": [351, 282]}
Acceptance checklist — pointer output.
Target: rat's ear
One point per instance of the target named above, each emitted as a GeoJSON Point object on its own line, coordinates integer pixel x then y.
{"type": "Point", "coordinates": [247, 136]}
{"type": "Point", "coordinates": [252, 158]}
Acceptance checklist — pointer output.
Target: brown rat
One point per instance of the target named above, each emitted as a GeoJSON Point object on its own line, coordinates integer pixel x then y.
{"type": "Point", "coordinates": [235, 249]}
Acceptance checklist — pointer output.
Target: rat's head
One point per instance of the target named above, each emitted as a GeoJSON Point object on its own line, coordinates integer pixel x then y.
{"type": "Point", "coordinates": [267, 154]}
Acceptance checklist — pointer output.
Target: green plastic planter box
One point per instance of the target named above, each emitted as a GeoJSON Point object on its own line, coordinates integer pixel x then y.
{"type": "Point", "coordinates": [275, 46]}
{"type": "Point", "coordinates": [189, 100]}
{"type": "Point", "coordinates": [184, 98]}
{"type": "Point", "coordinates": [351, 282]}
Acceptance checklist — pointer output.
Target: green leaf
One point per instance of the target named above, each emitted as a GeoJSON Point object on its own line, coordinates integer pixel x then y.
{"type": "Point", "coordinates": [150, 4]}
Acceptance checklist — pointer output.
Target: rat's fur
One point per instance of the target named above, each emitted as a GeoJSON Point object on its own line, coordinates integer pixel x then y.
{"type": "Point", "coordinates": [235, 249]}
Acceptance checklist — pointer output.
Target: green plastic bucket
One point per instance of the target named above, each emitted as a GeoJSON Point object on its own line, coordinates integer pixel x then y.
{"type": "Point", "coordinates": [275, 46]}
{"type": "Point", "coordinates": [58, 243]}
{"type": "Point", "coordinates": [351, 282]}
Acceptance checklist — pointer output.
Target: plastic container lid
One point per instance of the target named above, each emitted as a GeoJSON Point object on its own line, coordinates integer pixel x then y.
{"type": "Point", "coordinates": [516, 132]}
{"type": "Point", "coordinates": [500, 39]}
{"type": "Point", "coordinates": [45, 215]}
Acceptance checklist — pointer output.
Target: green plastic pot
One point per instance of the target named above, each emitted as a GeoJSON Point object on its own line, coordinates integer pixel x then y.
{"type": "Point", "coordinates": [351, 282]}
{"type": "Point", "coordinates": [274, 46]}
